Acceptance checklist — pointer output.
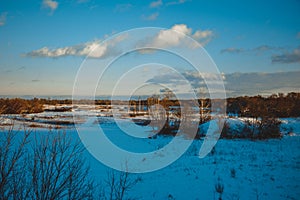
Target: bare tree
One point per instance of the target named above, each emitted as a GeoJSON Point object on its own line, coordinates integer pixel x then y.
{"type": "Point", "coordinates": [57, 170]}
{"type": "Point", "coordinates": [12, 174]}
{"type": "Point", "coordinates": [119, 183]}
{"type": "Point", "coordinates": [51, 168]}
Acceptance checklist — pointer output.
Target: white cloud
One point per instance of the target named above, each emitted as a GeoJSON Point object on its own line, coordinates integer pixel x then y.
{"type": "Point", "coordinates": [94, 49]}
{"type": "Point", "coordinates": [3, 18]}
{"type": "Point", "coordinates": [182, 28]}
{"type": "Point", "coordinates": [156, 4]}
{"type": "Point", "coordinates": [52, 5]}
{"type": "Point", "coordinates": [151, 17]}
{"type": "Point", "coordinates": [174, 36]}
{"type": "Point", "coordinates": [202, 34]}
{"type": "Point", "coordinates": [176, 2]}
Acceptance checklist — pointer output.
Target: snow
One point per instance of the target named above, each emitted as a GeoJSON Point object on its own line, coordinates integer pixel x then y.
{"type": "Point", "coordinates": [268, 169]}
{"type": "Point", "coordinates": [290, 126]}
{"type": "Point", "coordinates": [259, 169]}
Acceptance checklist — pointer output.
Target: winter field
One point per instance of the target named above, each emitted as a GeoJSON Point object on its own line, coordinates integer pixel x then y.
{"type": "Point", "coordinates": [235, 169]}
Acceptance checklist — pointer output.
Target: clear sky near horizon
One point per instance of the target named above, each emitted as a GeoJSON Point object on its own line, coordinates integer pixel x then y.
{"type": "Point", "coordinates": [43, 42]}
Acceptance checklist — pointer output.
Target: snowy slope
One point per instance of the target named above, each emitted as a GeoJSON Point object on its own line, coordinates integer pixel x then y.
{"type": "Point", "coordinates": [260, 169]}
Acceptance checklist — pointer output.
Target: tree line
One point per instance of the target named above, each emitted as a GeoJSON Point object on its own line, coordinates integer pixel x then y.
{"type": "Point", "coordinates": [275, 105]}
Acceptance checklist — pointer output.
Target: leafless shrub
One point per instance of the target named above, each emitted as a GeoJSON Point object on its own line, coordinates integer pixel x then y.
{"type": "Point", "coordinates": [57, 170]}
{"type": "Point", "coordinates": [263, 128]}
{"type": "Point", "coordinates": [219, 188]}
{"type": "Point", "coordinates": [119, 183]}
{"type": "Point", "coordinates": [51, 168]}
{"type": "Point", "coordinates": [12, 179]}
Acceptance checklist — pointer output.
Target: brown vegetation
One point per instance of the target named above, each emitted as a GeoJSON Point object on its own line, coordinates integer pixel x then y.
{"type": "Point", "coordinates": [20, 106]}
{"type": "Point", "coordinates": [276, 105]}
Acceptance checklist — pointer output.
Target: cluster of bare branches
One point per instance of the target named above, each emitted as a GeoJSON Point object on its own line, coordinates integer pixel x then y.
{"type": "Point", "coordinates": [12, 160]}
{"type": "Point", "coordinates": [50, 168]}
{"type": "Point", "coordinates": [119, 183]}
{"type": "Point", "coordinates": [58, 170]}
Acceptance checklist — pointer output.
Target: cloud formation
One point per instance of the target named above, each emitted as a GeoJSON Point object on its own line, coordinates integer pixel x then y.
{"type": "Point", "coordinates": [176, 34]}
{"type": "Point", "coordinates": [280, 54]}
{"type": "Point", "coordinates": [238, 84]}
{"type": "Point", "coordinates": [262, 83]}
{"type": "Point", "coordinates": [98, 49]}
{"type": "Point", "coordinates": [287, 57]}
{"type": "Point", "coordinates": [3, 18]}
{"type": "Point", "coordinates": [159, 3]}
{"type": "Point", "coordinates": [266, 48]}
{"type": "Point", "coordinates": [156, 4]}
{"type": "Point", "coordinates": [94, 49]}
{"type": "Point", "coordinates": [52, 5]}
{"type": "Point", "coordinates": [176, 2]}
{"type": "Point", "coordinates": [151, 17]}
{"type": "Point", "coordinates": [259, 49]}
{"type": "Point", "coordinates": [232, 50]}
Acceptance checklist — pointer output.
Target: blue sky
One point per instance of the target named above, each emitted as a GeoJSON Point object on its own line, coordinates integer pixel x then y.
{"type": "Point", "coordinates": [240, 36]}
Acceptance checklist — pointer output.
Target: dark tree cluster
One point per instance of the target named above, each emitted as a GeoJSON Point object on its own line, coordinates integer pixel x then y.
{"type": "Point", "coordinates": [276, 105]}
{"type": "Point", "coordinates": [264, 128]}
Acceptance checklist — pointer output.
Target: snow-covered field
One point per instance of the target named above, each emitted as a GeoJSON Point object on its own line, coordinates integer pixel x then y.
{"type": "Point", "coordinates": [247, 169]}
